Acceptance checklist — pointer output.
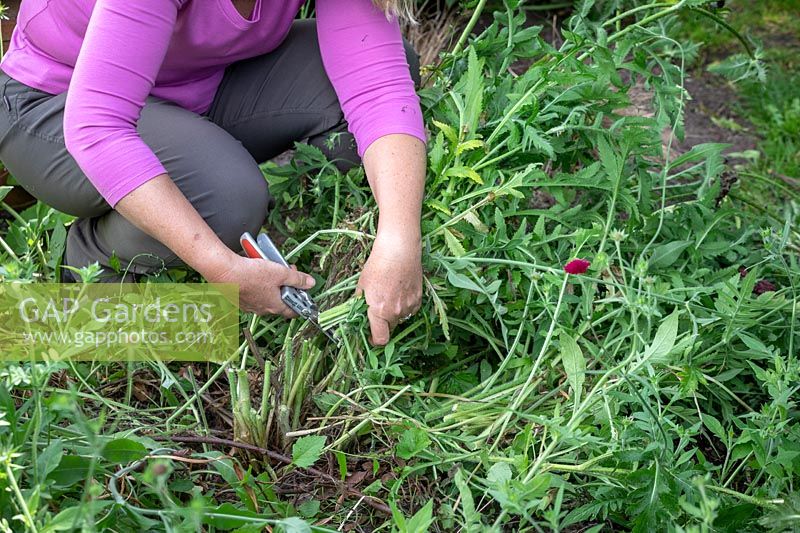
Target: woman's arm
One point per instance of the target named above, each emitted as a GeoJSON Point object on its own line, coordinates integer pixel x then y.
{"type": "Point", "coordinates": [365, 60]}
{"type": "Point", "coordinates": [175, 222]}
{"type": "Point", "coordinates": [121, 55]}
{"type": "Point", "coordinates": [392, 277]}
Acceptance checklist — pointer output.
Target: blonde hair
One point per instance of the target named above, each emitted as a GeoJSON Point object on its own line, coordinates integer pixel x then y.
{"type": "Point", "coordinates": [402, 9]}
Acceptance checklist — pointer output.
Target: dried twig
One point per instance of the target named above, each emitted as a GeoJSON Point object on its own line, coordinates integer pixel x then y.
{"type": "Point", "coordinates": [373, 502]}
{"type": "Point", "coordinates": [253, 347]}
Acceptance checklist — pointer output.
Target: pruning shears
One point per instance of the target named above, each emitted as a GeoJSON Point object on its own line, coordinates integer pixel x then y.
{"type": "Point", "coordinates": [298, 300]}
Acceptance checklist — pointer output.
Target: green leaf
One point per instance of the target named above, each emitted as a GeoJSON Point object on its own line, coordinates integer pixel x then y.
{"type": "Point", "coordinates": [499, 474]}
{"type": "Point", "coordinates": [448, 131]}
{"type": "Point", "coordinates": [341, 460]}
{"type": "Point", "coordinates": [611, 161]}
{"type": "Point", "coordinates": [412, 441]}
{"type": "Point", "coordinates": [464, 172]}
{"type": "Point", "coordinates": [68, 519]}
{"type": "Point", "coordinates": [462, 282]}
{"type": "Point", "coordinates": [70, 470]}
{"type": "Point", "coordinates": [468, 145]}
{"type": "Point", "coordinates": [294, 524]}
{"type": "Point", "coordinates": [4, 192]}
{"type": "Point", "coordinates": [422, 520]}
{"type": "Point", "coordinates": [309, 508]}
{"type": "Point", "coordinates": [307, 450]}
{"type": "Point", "coordinates": [121, 451]}
{"type": "Point", "coordinates": [438, 206]}
{"type": "Point", "coordinates": [664, 340]}
{"type": "Point", "coordinates": [50, 457]}
{"type": "Point", "coordinates": [224, 465]}
{"type": "Point", "coordinates": [574, 364]}
{"type": "Point", "coordinates": [471, 517]}
{"type": "Point", "coordinates": [455, 246]}
{"type": "Point", "coordinates": [441, 312]}
{"type": "Point", "coordinates": [666, 254]}
{"type": "Point", "coordinates": [540, 142]}
{"type": "Point", "coordinates": [473, 89]}
{"type": "Point", "coordinates": [699, 152]}
{"type": "Point", "coordinates": [715, 427]}
{"type": "Point", "coordinates": [57, 244]}
{"type": "Point", "coordinates": [476, 222]}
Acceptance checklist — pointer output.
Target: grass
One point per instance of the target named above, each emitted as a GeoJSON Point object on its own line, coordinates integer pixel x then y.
{"type": "Point", "coordinates": [655, 391]}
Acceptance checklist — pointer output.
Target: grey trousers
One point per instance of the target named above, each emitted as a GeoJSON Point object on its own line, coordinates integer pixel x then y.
{"type": "Point", "coordinates": [262, 106]}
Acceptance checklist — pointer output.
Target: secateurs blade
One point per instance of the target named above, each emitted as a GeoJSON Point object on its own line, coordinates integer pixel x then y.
{"type": "Point", "coordinates": [298, 300]}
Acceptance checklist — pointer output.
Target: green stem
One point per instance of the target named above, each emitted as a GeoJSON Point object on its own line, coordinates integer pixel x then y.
{"type": "Point", "coordinates": [20, 499]}
{"type": "Point", "coordinates": [470, 25]}
{"type": "Point", "coordinates": [771, 504]}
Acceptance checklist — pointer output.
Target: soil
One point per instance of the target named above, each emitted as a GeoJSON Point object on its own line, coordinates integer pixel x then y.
{"type": "Point", "coordinates": [714, 98]}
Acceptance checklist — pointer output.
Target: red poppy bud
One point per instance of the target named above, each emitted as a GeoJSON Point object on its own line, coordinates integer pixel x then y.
{"type": "Point", "coordinates": [742, 272]}
{"type": "Point", "coordinates": [577, 266]}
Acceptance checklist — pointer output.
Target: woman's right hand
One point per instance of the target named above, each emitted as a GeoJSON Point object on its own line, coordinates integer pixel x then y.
{"type": "Point", "coordinates": [177, 224]}
{"type": "Point", "coordinates": [260, 283]}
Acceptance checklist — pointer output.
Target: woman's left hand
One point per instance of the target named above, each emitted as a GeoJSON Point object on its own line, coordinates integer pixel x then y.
{"type": "Point", "coordinates": [392, 283]}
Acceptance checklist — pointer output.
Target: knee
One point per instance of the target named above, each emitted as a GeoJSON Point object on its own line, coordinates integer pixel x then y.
{"type": "Point", "coordinates": [242, 205]}
{"type": "Point", "coordinates": [413, 62]}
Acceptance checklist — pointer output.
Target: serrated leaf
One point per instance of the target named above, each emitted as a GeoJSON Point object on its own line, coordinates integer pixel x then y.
{"type": "Point", "coordinates": [453, 244]}
{"type": "Point", "coordinates": [441, 312]}
{"type": "Point", "coordinates": [465, 146]}
{"type": "Point", "coordinates": [448, 131]}
{"type": "Point", "coordinates": [714, 426]}
{"type": "Point", "coordinates": [438, 206]}
{"type": "Point", "coordinates": [500, 225]}
{"type": "Point", "coordinates": [540, 142]}
{"type": "Point", "coordinates": [467, 501]}
{"type": "Point", "coordinates": [473, 89]}
{"type": "Point", "coordinates": [307, 450]}
{"type": "Point", "coordinates": [609, 158]}
{"type": "Point", "coordinates": [464, 172]}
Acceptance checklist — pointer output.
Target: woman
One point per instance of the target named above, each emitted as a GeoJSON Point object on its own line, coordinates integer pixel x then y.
{"type": "Point", "coordinates": [147, 120]}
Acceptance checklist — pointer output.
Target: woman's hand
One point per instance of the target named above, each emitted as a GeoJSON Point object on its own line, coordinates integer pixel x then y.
{"type": "Point", "coordinates": [392, 283]}
{"type": "Point", "coordinates": [260, 284]}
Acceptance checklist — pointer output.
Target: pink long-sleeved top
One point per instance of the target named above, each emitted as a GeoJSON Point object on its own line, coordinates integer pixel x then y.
{"type": "Point", "coordinates": [112, 54]}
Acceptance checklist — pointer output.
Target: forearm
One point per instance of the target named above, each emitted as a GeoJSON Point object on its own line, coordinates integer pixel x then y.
{"type": "Point", "coordinates": [174, 222]}
{"type": "Point", "coordinates": [396, 167]}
